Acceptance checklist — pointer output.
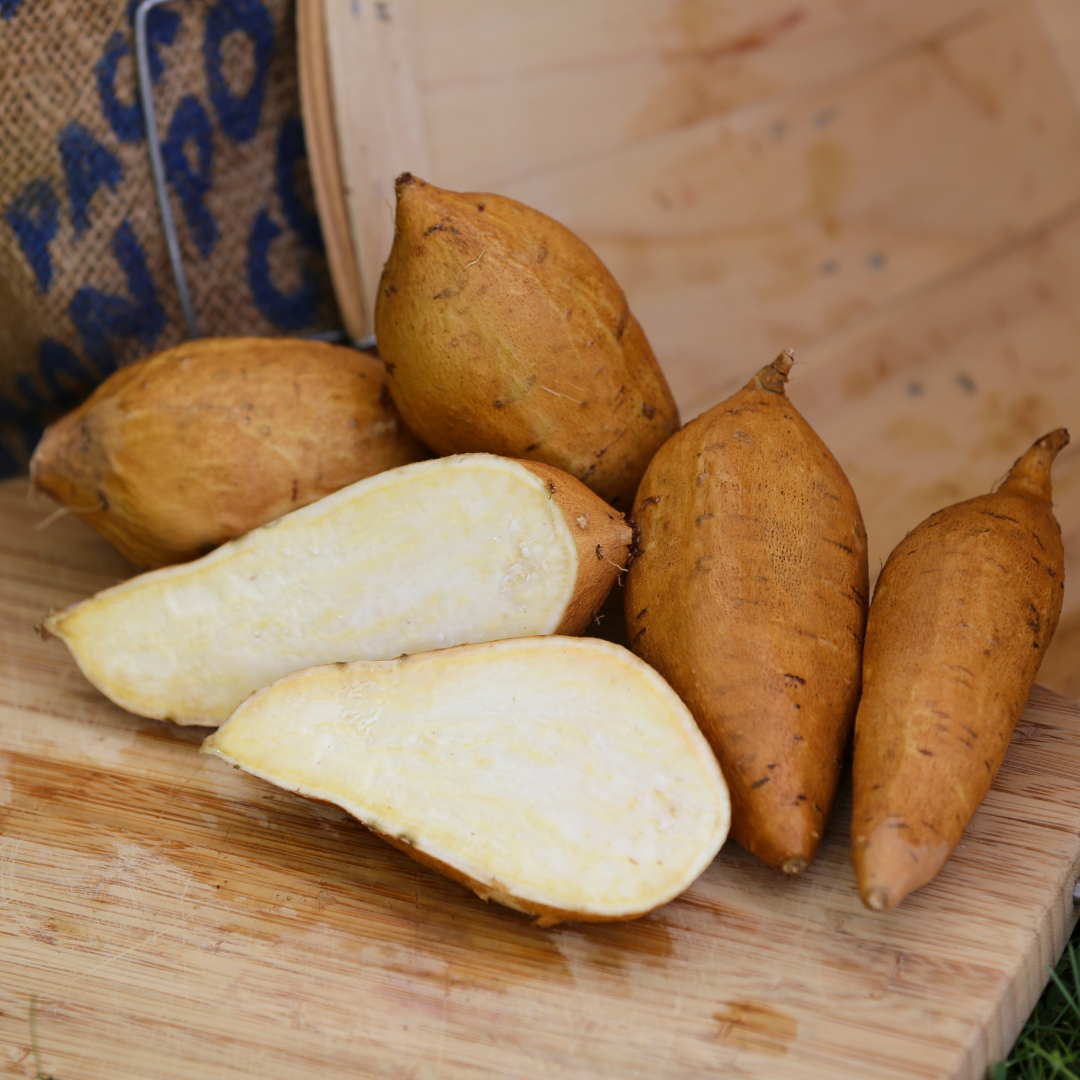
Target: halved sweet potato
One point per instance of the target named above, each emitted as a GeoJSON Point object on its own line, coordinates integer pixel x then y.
{"type": "Point", "coordinates": [559, 776]}
{"type": "Point", "coordinates": [430, 555]}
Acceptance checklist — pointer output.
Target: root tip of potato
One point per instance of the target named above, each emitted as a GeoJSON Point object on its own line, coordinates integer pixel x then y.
{"type": "Point", "coordinates": [876, 900]}
{"type": "Point", "coordinates": [1056, 440]}
{"type": "Point", "coordinates": [794, 866]}
{"type": "Point", "coordinates": [1030, 474]}
{"type": "Point", "coordinates": [773, 377]}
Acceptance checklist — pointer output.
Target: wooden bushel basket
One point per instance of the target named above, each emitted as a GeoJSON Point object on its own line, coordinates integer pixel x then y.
{"type": "Point", "coordinates": [892, 190]}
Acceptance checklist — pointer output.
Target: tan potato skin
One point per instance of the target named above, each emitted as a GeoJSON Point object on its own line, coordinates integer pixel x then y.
{"type": "Point", "coordinates": [604, 542]}
{"type": "Point", "coordinates": [749, 596]}
{"type": "Point", "coordinates": [503, 333]}
{"type": "Point", "coordinates": [174, 455]}
{"type": "Point", "coordinates": [962, 614]}
{"type": "Point", "coordinates": [546, 915]}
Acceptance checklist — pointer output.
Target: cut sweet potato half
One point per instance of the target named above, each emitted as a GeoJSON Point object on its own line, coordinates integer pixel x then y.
{"type": "Point", "coordinates": [559, 776]}
{"type": "Point", "coordinates": [433, 554]}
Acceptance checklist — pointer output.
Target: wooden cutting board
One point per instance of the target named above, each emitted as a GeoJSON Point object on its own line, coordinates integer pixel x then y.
{"type": "Point", "coordinates": [164, 916]}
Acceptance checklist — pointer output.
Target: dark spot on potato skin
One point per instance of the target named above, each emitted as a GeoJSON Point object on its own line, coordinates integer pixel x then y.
{"type": "Point", "coordinates": [599, 553]}
{"type": "Point", "coordinates": [441, 227]}
{"type": "Point", "coordinates": [758, 783]}
{"type": "Point", "coordinates": [1034, 623]}
{"type": "Point", "coordinates": [648, 410]}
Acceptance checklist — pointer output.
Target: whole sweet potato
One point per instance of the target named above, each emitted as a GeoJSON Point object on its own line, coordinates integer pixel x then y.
{"type": "Point", "coordinates": [178, 453]}
{"type": "Point", "coordinates": [749, 597]}
{"type": "Point", "coordinates": [962, 614]}
{"type": "Point", "coordinates": [503, 332]}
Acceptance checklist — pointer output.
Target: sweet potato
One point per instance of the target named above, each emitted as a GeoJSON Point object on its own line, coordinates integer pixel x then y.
{"type": "Point", "coordinates": [559, 776]}
{"type": "Point", "coordinates": [749, 596]}
{"type": "Point", "coordinates": [503, 332]}
{"type": "Point", "coordinates": [178, 453]}
{"type": "Point", "coordinates": [425, 556]}
{"type": "Point", "coordinates": [962, 615]}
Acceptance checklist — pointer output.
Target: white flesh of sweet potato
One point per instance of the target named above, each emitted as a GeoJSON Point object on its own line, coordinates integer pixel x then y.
{"type": "Point", "coordinates": [426, 556]}
{"type": "Point", "coordinates": [559, 776]}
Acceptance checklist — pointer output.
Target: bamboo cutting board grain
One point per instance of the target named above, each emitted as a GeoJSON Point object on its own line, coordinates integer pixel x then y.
{"type": "Point", "coordinates": [164, 916]}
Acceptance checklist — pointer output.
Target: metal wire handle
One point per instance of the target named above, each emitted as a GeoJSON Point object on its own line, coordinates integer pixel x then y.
{"type": "Point", "coordinates": [168, 224]}
{"type": "Point", "coordinates": [157, 166]}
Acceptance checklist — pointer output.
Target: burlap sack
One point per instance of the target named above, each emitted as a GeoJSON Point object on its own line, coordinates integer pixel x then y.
{"type": "Point", "coordinates": [85, 282]}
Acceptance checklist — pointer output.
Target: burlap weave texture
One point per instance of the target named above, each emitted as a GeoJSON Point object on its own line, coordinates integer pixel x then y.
{"type": "Point", "coordinates": [85, 282]}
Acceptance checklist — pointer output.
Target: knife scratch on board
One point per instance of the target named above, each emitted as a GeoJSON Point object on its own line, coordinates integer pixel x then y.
{"type": "Point", "coordinates": [39, 1072]}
